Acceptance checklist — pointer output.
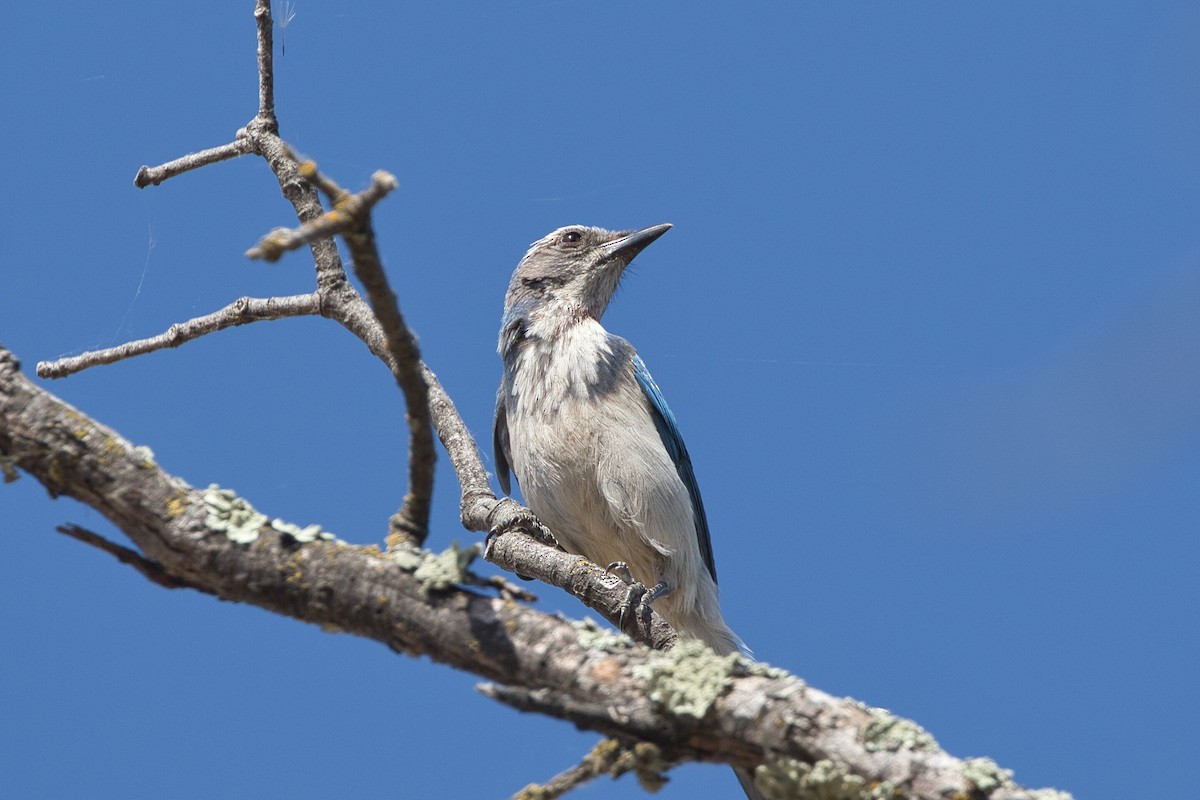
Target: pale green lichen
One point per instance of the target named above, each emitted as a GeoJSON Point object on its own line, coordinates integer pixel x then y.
{"type": "Point", "coordinates": [688, 678]}
{"type": "Point", "coordinates": [764, 670]}
{"type": "Point", "coordinates": [986, 775]}
{"type": "Point", "coordinates": [408, 557]}
{"type": "Point", "coordinates": [437, 571]}
{"type": "Point", "coordinates": [592, 635]}
{"type": "Point", "coordinates": [788, 684]}
{"type": "Point", "coordinates": [231, 515]}
{"type": "Point", "coordinates": [309, 533]}
{"type": "Point", "coordinates": [448, 568]}
{"type": "Point", "coordinates": [888, 732]}
{"type": "Point", "coordinates": [785, 777]}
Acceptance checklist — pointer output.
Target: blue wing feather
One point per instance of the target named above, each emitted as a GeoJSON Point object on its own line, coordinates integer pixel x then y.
{"type": "Point", "coordinates": [668, 431]}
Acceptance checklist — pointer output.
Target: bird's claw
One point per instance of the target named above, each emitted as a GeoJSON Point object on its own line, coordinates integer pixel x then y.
{"type": "Point", "coordinates": [633, 606]}
{"type": "Point", "coordinates": [518, 519]}
{"type": "Point", "coordinates": [621, 570]}
{"type": "Point", "coordinates": [638, 598]}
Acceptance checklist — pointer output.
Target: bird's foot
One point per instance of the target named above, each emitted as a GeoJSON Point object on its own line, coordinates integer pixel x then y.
{"type": "Point", "coordinates": [638, 599]}
{"type": "Point", "coordinates": [660, 590]}
{"type": "Point", "coordinates": [509, 515]}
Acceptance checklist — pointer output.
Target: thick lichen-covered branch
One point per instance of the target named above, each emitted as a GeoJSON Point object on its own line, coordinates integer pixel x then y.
{"type": "Point", "coordinates": [688, 702]}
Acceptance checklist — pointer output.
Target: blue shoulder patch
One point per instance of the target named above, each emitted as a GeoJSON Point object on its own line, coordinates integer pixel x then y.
{"type": "Point", "coordinates": [668, 431]}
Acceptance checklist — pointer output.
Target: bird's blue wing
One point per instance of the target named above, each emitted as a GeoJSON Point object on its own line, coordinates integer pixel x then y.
{"type": "Point", "coordinates": [668, 431]}
{"type": "Point", "coordinates": [500, 446]}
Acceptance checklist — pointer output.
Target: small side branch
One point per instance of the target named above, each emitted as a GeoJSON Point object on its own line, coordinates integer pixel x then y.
{"type": "Point", "coordinates": [152, 176]}
{"type": "Point", "coordinates": [239, 312]}
{"type": "Point", "coordinates": [350, 211]}
{"type": "Point", "coordinates": [351, 218]}
{"type": "Point", "coordinates": [609, 757]}
{"type": "Point", "coordinates": [152, 570]}
{"type": "Point", "coordinates": [266, 68]}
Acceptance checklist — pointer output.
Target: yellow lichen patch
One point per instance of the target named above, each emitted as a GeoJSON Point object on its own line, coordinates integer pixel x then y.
{"type": "Point", "coordinates": [293, 570]}
{"type": "Point", "coordinates": [111, 449]}
{"type": "Point", "coordinates": [177, 504]}
{"type": "Point", "coordinates": [84, 425]}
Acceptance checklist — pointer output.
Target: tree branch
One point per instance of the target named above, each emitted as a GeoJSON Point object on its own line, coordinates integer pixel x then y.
{"type": "Point", "coordinates": [240, 312]}
{"type": "Point", "coordinates": [351, 218]}
{"type": "Point", "coordinates": [266, 68]}
{"type": "Point", "coordinates": [609, 757]}
{"type": "Point", "coordinates": [153, 176]}
{"type": "Point", "coordinates": [151, 570]}
{"type": "Point", "coordinates": [688, 702]}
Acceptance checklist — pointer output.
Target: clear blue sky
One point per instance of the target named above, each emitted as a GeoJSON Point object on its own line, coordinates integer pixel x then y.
{"type": "Point", "coordinates": [929, 318]}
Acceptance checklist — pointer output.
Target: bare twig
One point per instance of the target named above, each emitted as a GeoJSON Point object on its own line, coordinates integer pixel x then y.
{"type": "Point", "coordinates": [153, 176]}
{"type": "Point", "coordinates": [505, 588]}
{"type": "Point", "coordinates": [609, 757]}
{"type": "Point", "coordinates": [350, 212]}
{"type": "Point", "coordinates": [266, 65]}
{"type": "Point", "coordinates": [517, 551]}
{"type": "Point", "coordinates": [152, 570]}
{"type": "Point", "coordinates": [411, 523]}
{"type": "Point", "coordinates": [240, 312]}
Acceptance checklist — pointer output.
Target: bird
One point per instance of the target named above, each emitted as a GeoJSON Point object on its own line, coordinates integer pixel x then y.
{"type": "Point", "coordinates": [596, 450]}
{"type": "Point", "coordinates": [594, 446]}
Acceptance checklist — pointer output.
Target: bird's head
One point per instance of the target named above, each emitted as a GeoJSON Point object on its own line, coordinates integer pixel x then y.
{"type": "Point", "coordinates": [573, 271]}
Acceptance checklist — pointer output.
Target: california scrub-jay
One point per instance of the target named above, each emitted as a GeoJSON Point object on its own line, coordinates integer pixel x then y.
{"type": "Point", "coordinates": [586, 430]}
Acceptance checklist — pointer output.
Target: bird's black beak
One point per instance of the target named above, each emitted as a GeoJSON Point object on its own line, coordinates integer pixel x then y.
{"type": "Point", "coordinates": [628, 246]}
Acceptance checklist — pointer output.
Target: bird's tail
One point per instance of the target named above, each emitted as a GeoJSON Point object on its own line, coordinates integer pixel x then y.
{"type": "Point", "coordinates": [712, 630]}
{"type": "Point", "coordinates": [747, 781]}
{"type": "Point", "coordinates": [705, 624]}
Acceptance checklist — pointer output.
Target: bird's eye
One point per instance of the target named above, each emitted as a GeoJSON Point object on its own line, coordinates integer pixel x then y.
{"type": "Point", "coordinates": [572, 236]}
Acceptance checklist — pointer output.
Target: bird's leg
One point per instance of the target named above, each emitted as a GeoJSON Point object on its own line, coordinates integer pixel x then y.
{"type": "Point", "coordinates": [509, 515]}
{"type": "Point", "coordinates": [660, 590]}
{"type": "Point", "coordinates": [639, 597]}
{"type": "Point", "coordinates": [636, 591]}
